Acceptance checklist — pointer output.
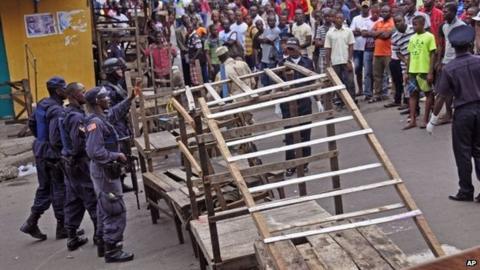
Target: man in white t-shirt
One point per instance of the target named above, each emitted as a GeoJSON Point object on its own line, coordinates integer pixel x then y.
{"type": "Point", "coordinates": [302, 31]}
{"type": "Point", "coordinates": [358, 23]}
{"type": "Point", "coordinates": [239, 27]}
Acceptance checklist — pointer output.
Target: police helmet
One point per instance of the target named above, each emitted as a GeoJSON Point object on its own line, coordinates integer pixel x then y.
{"type": "Point", "coordinates": [112, 64]}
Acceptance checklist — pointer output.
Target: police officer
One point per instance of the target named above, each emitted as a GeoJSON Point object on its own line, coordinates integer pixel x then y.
{"type": "Point", "coordinates": [113, 68]}
{"type": "Point", "coordinates": [80, 195]}
{"type": "Point", "coordinates": [46, 148]}
{"type": "Point", "coordinates": [104, 152]}
{"type": "Point", "coordinates": [461, 79]}
{"type": "Point", "coordinates": [303, 106]}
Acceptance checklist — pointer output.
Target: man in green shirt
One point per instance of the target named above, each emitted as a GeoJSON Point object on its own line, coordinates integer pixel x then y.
{"type": "Point", "coordinates": [210, 47]}
{"type": "Point", "coordinates": [420, 70]}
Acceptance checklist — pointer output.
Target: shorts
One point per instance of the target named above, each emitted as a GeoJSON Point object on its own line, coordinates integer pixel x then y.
{"type": "Point", "coordinates": [418, 82]}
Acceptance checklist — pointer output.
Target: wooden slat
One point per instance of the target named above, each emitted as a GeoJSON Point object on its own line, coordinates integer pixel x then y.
{"type": "Point", "coordinates": [342, 227]}
{"type": "Point", "coordinates": [281, 203]}
{"type": "Point", "coordinates": [265, 126]}
{"type": "Point", "coordinates": [276, 101]}
{"type": "Point", "coordinates": [387, 249]}
{"type": "Point", "coordinates": [190, 100]}
{"type": "Point", "coordinates": [213, 93]}
{"type": "Point", "coordinates": [245, 76]}
{"type": "Point", "coordinates": [360, 213]}
{"type": "Point", "coordinates": [245, 88]}
{"type": "Point", "coordinates": [274, 166]}
{"type": "Point", "coordinates": [181, 110]}
{"type": "Point", "coordinates": [330, 253]}
{"type": "Point", "coordinates": [268, 88]}
{"type": "Point", "coordinates": [313, 177]}
{"type": "Point", "coordinates": [288, 130]}
{"type": "Point", "coordinates": [402, 191]}
{"type": "Point", "coordinates": [359, 249]}
{"type": "Point", "coordinates": [273, 76]}
{"type": "Point", "coordinates": [302, 70]}
{"type": "Point", "coordinates": [191, 159]}
{"type": "Point", "coordinates": [299, 145]}
{"type": "Point", "coordinates": [310, 257]}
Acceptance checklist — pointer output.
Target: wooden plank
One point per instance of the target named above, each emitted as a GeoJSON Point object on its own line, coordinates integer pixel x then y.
{"type": "Point", "coordinates": [387, 249]}
{"type": "Point", "coordinates": [288, 130]}
{"type": "Point", "coordinates": [280, 203]}
{"type": "Point", "coordinates": [268, 88]}
{"type": "Point", "coordinates": [310, 257]}
{"type": "Point", "coordinates": [213, 93]}
{"type": "Point", "coordinates": [402, 191]}
{"type": "Point", "coordinates": [342, 227]}
{"type": "Point", "coordinates": [265, 126]}
{"type": "Point", "coordinates": [266, 97]}
{"type": "Point", "coordinates": [359, 213]}
{"type": "Point", "coordinates": [264, 261]}
{"type": "Point", "coordinates": [314, 177]}
{"type": "Point", "coordinates": [245, 76]}
{"type": "Point", "coordinates": [299, 145]}
{"type": "Point", "coordinates": [330, 253]}
{"type": "Point", "coordinates": [302, 70]}
{"type": "Point", "coordinates": [360, 250]}
{"type": "Point", "coordinates": [269, 167]}
{"type": "Point", "coordinates": [190, 100]}
{"type": "Point", "coordinates": [183, 112]}
{"type": "Point", "coordinates": [243, 86]}
{"type": "Point", "coordinates": [276, 101]}
{"type": "Point", "coordinates": [191, 159]}
{"type": "Point", "coordinates": [273, 76]}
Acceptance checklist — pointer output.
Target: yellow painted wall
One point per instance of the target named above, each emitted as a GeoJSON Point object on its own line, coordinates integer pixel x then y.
{"type": "Point", "coordinates": [68, 54]}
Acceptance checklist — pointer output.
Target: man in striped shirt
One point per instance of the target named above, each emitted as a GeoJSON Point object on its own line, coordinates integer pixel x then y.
{"type": "Point", "coordinates": [400, 40]}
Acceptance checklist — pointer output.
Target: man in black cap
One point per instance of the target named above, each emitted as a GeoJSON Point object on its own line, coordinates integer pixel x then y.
{"type": "Point", "coordinates": [304, 105]}
{"type": "Point", "coordinates": [461, 79]}
{"type": "Point", "coordinates": [46, 148]}
{"type": "Point", "coordinates": [103, 149]}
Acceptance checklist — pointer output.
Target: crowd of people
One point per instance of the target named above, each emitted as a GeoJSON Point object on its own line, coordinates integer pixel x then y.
{"type": "Point", "coordinates": [378, 49]}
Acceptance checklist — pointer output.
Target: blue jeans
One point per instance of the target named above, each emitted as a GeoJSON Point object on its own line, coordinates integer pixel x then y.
{"type": "Point", "coordinates": [368, 73]}
{"type": "Point", "coordinates": [358, 62]}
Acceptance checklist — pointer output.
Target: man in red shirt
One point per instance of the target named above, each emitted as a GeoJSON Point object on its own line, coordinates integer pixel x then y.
{"type": "Point", "coordinates": [436, 18]}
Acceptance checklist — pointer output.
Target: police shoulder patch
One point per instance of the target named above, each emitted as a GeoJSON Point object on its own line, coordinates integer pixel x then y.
{"type": "Point", "coordinates": [91, 127]}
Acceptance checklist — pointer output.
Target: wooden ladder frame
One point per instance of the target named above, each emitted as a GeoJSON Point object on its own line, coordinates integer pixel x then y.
{"type": "Point", "coordinates": [276, 243]}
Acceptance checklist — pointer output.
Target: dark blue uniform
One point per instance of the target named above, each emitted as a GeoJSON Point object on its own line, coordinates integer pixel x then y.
{"type": "Point", "coordinates": [80, 195]}
{"type": "Point", "coordinates": [46, 148]}
{"type": "Point", "coordinates": [103, 148]}
{"type": "Point", "coordinates": [118, 95]}
{"type": "Point", "coordinates": [304, 107]}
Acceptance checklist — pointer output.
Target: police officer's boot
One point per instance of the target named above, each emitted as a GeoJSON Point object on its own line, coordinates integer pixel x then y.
{"type": "Point", "coordinates": [114, 253]}
{"type": "Point", "coordinates": [31, 227]}
{"type": "Point", "coordinates": [61, 232]}
{"type": "Point", "coordinates": [74, 241]}
{"type": "Point", "coordinates": [98, 241]}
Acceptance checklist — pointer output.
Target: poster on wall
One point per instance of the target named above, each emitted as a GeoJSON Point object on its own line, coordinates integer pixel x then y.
{"type": "Point", "coordinates": [64, 19]}
{"type": "Point", "coordinates": [40, 25]}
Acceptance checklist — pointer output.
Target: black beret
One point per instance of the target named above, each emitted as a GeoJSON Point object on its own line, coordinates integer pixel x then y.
{"type": "Point", "coordinates": [56, 82]}
{"type": "Point", "coordinates": [461, 36]}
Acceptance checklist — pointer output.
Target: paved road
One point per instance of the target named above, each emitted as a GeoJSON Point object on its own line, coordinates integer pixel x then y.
{"type": "Point", "coordinates": [424, 162]}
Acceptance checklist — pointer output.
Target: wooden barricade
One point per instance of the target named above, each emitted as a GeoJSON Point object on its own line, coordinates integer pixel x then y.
{"type": "Point", "coordinates": [283, 244]}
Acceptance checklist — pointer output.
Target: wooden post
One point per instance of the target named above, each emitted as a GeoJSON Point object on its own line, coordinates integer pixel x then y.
{"type": "Point", "coordinates": [188, 168]}
{"type": "Point", "coordinates": [202, 151]}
